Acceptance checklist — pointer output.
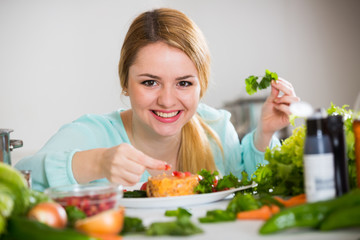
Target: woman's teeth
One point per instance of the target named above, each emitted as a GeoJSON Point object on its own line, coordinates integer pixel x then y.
{"type": "Point", "coordinates": [166, 115]}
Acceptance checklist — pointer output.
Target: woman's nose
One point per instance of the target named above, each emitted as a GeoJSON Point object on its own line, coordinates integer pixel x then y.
{"type": "Point", "coordinates": [167, 97]}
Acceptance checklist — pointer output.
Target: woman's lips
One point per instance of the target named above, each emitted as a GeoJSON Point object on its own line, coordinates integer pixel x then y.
{"type": "Point", "coordinates": [166, 116]}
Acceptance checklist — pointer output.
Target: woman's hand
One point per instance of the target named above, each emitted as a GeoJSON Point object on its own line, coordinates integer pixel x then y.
{"type": "Point", "coordinates": [121, 164]}
{"type": "Point", "coordinates": [125, 164]}
{"type": "Point", "coordinates": [275, 112]}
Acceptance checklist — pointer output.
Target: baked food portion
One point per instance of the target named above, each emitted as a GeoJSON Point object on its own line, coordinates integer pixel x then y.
{"type": "Point", "coordinates": [178, 184]}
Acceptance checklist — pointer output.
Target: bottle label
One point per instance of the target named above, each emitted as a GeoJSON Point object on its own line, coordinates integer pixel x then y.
{"type": "Point", "coordinates": [319, 177]}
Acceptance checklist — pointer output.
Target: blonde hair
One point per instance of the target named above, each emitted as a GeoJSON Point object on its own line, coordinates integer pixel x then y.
{"type": "Point", "coordinates": [177, 30]}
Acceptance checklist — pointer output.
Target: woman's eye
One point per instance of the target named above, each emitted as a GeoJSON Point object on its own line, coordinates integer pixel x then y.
{"type": "Point", "coordinates": [149, 83]}
{"type": "Point", "coordinates": [184, 84]}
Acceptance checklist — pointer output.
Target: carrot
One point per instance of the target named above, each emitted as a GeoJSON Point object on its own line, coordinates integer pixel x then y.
{"type": "Point", "coordinates": [274, 209]}
{"type": "Point", "coordinates": [293, 201]}
{"type": "Point", "coordinates": [263, 213]}
{"type": "Point", "coordinates": [106, 236]}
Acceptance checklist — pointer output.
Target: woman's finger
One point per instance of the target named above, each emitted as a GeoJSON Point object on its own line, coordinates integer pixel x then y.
{"type": "Point", "coordinates": [286, 99]}
{"type": "Point", "coordinates": [150, 162]}
{"type": "Point", "coordinates": [274, 93]}
{"type": "Point", "coordinates": [128, 177]}
{"type": "Point", "coordinates": [283, 108]}
{"type": "Point", "coordinates": [143, 159]}
{"type": "Point", "coordinates": [285, 82]}
{"type": "Point", "coordinates": [281, 86]}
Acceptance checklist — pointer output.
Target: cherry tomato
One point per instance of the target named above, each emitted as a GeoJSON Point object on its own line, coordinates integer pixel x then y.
{"type": "Point", "coordinates": [167, 167]}
{"type": "Point", "coordinates": [178, 174]}
{"type": "Point", "coordinates": [143, 187]}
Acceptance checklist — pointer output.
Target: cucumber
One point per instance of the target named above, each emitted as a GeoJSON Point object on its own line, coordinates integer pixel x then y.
{"type": "Point", "coordinates": [20, 228]}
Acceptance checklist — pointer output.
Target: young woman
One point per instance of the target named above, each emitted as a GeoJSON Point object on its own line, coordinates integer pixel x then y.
{"type": "Point", "coordinates": [164, 70]}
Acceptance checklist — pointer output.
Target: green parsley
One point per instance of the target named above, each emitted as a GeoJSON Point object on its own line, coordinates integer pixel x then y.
{"type": "Point", "coordinates": [252, 84]}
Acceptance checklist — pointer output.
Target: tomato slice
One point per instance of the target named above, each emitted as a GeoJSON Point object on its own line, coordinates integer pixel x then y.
{"type": "Point", "coordinates": [143, 187]}
{"type": "Point", "coordinates": [167, 167]}
{"type": "Point", "coordinates": [178, 174]}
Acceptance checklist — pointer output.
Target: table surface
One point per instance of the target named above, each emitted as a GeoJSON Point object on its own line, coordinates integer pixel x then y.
{"type": "Point", "coordinates": [231, 230]}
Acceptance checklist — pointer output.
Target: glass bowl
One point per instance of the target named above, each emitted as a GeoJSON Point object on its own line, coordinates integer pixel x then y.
{"type": "Point", "coordinates": [91, 198]}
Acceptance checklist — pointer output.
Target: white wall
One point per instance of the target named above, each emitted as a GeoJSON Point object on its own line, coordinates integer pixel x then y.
{"type": "Point", "coordinates": [58, 58]}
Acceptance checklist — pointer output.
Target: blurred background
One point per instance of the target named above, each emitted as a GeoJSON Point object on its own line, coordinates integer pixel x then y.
{"type": "Point", "coordinates": [58, 58]}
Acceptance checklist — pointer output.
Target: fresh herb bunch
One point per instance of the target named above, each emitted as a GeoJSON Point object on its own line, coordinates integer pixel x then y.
{"type": "Point", "coordinates": [182, 226]}
{"type": "Point", "coordinates": [284, 174]}
{"type": "Point", "coordinates": [252, 84]}
{"type": "Point", "coordinates": [208, 181]}
{"type": "Point", "coordinates": [132, 225]}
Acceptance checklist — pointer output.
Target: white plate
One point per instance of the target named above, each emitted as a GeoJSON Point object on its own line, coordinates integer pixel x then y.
{"type": "Point", "coordinates": [178, 201]}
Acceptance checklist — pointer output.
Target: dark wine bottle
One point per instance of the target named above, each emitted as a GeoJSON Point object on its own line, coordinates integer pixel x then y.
{"type": "Point", "coordinates": [337, 137]}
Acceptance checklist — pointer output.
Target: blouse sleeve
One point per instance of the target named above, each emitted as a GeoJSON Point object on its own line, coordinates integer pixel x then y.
{"type": "Point", "coordinates": [52, 165]}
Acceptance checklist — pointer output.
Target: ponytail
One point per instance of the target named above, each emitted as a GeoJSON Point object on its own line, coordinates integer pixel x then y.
{"type": "Point", "coordinates": [195, 148]}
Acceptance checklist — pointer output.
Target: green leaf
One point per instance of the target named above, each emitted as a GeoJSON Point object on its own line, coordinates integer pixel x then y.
{"type": "Point", "coordinates": [132, 225]}
{"type": "Point", "coordinates": [227, 182]}
{"type": "Point", "coordinates": [243, 202]}
{"type": "Point", "coordinates": [74, 213]}
{"type": "Point", "coordinates": [177, 213]}
{"type": "Point", "coordinates": [218, 215]}
{"type": "Point", "coordinates": [206, 184]}
{"type": "Point", "coordinates": [181, 227]}
{"type": "Point", "coordinates": [252, 85]}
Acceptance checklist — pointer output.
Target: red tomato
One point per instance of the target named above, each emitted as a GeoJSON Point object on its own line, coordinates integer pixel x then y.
{"type": "Point", "coordinates": [167, 167]}
{"type": "Point", "coordinates": [216, 180]}
{"type": "Point", "coordinates": [49, 213]}
{"type": "Point", "coordinates": [178, 174]}
{"type": "Point", "coordinates": [143, 187]}
{"type": "Point", "coordinates": [187, 174]}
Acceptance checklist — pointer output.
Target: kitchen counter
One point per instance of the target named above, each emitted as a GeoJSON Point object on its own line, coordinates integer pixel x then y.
{"type": "Point", "coordinates": [232, 230]}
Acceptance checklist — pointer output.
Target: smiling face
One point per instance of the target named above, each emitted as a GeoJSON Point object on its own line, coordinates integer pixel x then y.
{"type": "Point", "coordinates": [164, 89]}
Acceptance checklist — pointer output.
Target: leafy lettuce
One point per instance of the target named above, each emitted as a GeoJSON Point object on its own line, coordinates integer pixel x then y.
{"type": "Point", "coordinates": [284, 174]}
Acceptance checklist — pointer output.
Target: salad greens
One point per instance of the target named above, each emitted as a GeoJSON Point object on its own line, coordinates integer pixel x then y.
{"type": "Point", "coordinates": [135, 194]}
{"type": "Point", "coordinates": [182, 226]}
{"type": "Point", "coordinates": [132, 225]}
{"type": "Point", "coordinates": [241, 202]}
{"type": "Point", "coordinates": [210, 182]}
{"type": "Point", "coordinates": [178, 212]}
{"type": "Point", "coordinates": [218, 215]}
{"type": "Point", "coordinates": [252, 84]}
{"type": "Point", "coordinates": [284, 174]}
{"type": "Point", "coordinates": [74, 213]}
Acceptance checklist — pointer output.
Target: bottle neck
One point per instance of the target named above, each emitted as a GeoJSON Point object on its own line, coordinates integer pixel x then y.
{"type": "Point", "coordinates": [316, 127]}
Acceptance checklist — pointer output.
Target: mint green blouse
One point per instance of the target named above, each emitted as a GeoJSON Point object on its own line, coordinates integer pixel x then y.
{"type": "Point", "coordinates": [51, 166]}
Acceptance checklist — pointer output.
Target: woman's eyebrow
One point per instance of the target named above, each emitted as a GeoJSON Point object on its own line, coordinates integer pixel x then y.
{"type": "Point", "coordinates": [148, 75]}
{"type": "Point", "coordinates": [157, 77]}
{"type": "Point", "coordinates": [185, 77]}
